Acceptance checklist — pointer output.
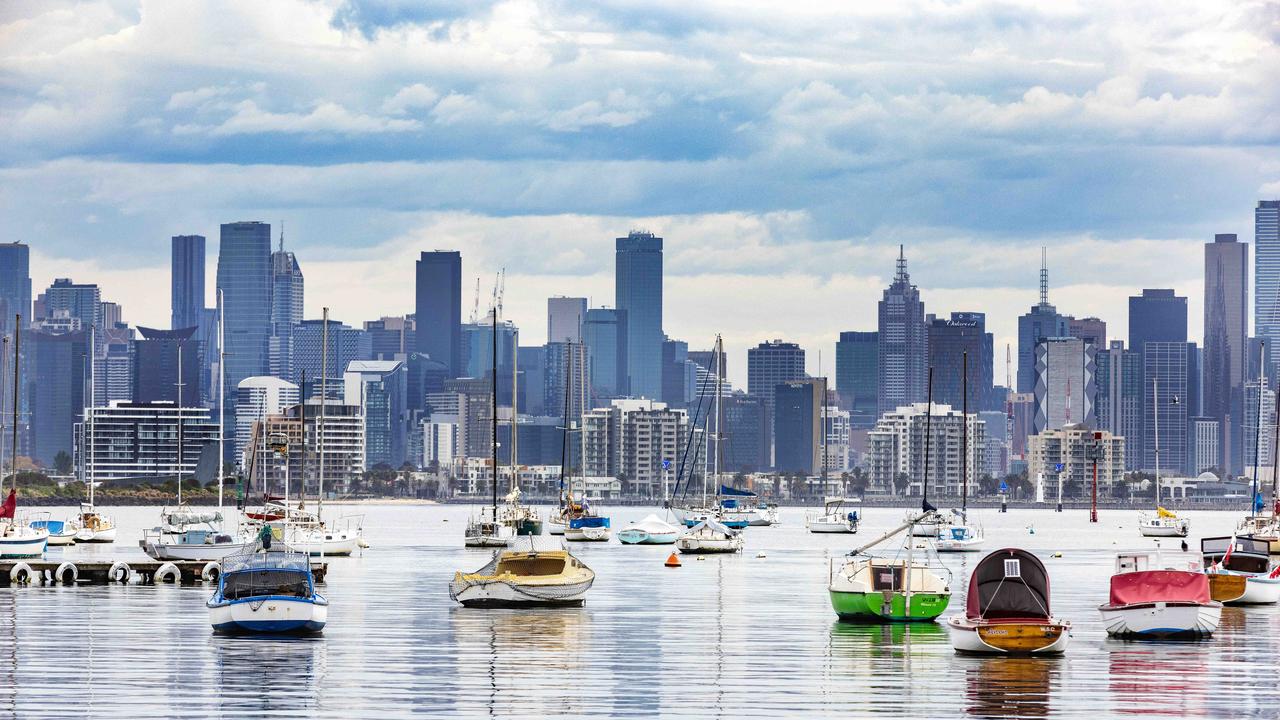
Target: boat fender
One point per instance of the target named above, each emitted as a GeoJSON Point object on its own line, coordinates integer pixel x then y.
{"type": "Point", "coordinates": [210, 572]}
{"type": "Point", "coordinates": [60, 575]}
{"type": "Point", "coordinates": [168, 572]}
{"type": "Point", "coordinates": [21, 574]}
{"type": "Point", "coordinates": [120, 572]}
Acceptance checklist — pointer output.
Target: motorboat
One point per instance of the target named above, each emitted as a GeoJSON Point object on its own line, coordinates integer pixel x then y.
{"type": "Point", "coordinates": [1239, 571]}
{"type": "Point", "coordinates": [267, 592]}
{"type": "Point", "coordinates": [1007, 609]}
{"type": "Point", "coordinates": [1158, 603]}
{"type": "Point", "coordinates": [588, 528]}
{"type": "Point", "coordinates": [1261, 527]}
{"type": "Point", "coordinates": [710, 536]}
{"type": "Point", "coordinates": [959, 537]}
{"type": "Point", "coordinates": [189, 534]}
{"type": "Point", "coordinates": [61, 532]}
{"type": "Point", "coordinates": [1164, 523]}
{"type": "Point", "coordinates": [525, 578]}
{"type": "Point", "coordinates": [19, 539]}
{"type": "Point", "coordinates": [838, 516]}
{"type": "Point", "coordinates": [485, 531]}
{"type": "Point", "coordinates": [652, 530]}
{"type": "Point", "coordinates": [94, 526]}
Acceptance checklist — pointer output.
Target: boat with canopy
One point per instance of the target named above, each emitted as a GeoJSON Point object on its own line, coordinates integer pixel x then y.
{"type": "Point", "coordinates": [265, 591]}
{"type": "Point", "coordinates": [525, 578]}
{"type": "Point", "coordinates": [1007, 609]}
{"type": "Point", "coordinates": [652, 530]}
{"type": "Point", "coordinates": [1148, 601]}
{"type": "Point", "coordinates": [1239, 571]}
{"type": "Point", "coordinates": [839, 515]}
{"type": "Point", "coordinates": [710, 536]}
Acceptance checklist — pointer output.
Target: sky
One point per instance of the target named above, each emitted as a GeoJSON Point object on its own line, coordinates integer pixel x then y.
{"type": "Point", "coordinates": [783, 150]}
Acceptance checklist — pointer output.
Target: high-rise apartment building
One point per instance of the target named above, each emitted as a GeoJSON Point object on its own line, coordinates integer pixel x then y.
{"type": "Point", "coordinates": [949, 341]}
{"type": "Point", "coordinates": [15, 285]}
{"type": "Point", "coordinates": [903, 343]}
{"type": "Point", "coordinates": [244, 277]}
{"type": "Point", "coordinates": [638, 292]}
{"type": "Point", "coordinates": [857, 376]}
{"type": "Point", "coordinates": [438, 308]}
{"type": "Point", "coordinates": [80, 301]}
{"type": "Point", "coordinates": [896, 454]}
{"type": "Point", "coordinates": [186, 281]}
{"type": "Point", "coordinates": [565, 363]}
{"type": "Point", "coordinates": [258, 398]}
{"type": "Point", "coordinates": [286, 311]}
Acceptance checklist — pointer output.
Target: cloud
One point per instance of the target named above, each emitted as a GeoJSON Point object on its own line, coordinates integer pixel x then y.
{"type": "Point", "coordinates": [410, 97]}
{"type": "Point", "coordinates": [326, 117]}
{"type": "Point", "coordinates": [617, 110]}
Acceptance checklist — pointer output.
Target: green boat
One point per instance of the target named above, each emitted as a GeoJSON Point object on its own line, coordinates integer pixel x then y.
{"type": "Point", "coordinates": [871, 589]}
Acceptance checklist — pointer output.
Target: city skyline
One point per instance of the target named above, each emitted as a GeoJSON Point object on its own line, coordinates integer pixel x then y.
{"type": "Point", "coordinates": [795, 169]}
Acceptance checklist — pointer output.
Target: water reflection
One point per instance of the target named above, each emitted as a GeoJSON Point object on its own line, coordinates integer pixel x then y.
{"type": "Point", "coordinates": [999, 687]}
{"type": "Point", "coordinates": [1164, 678]}
{"type": "Point", "coordinates": [263, 676]}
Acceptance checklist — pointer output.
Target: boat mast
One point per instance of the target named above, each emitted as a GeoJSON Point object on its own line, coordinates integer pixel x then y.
{"type": "Point", "coordinates": [324, 391]}
{"type": "Point", "coordinates": [1275, 444]}
{"type": "Point", "coordinates": [4, 357]}
{"type": "Point", "coordinates": [928, 433]}
{"type": "Point", "coordinates": [566, 494]}
{"type": "Point", "coordinates": [719, 365]}
{"type": "Point", "coordinates": [1155, 388]}
{"type": "Point", "coordinates": [582, 416]}
{"type": "Point", "coordinates": [93, 401]}
{"type": "Point", "coordinates": [1257, 430]}
{"type": "Point", "coordinates": [493, 444]}
{"type": "Point", "coordinates": [964, 435]}
{"type": "Point", "coordinates": [222, 399]}
{"type": "Point", "coordinates": [179, 420]}
{"type": "Point", "coordinates": [514, 442]}
{"type": "Point", "coordinates": [17, 368]}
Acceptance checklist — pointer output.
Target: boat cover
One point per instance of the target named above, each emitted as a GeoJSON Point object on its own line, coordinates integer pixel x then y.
{"type": "Point", "coordinates": [713, 525]}
{"type": "Point", "coordinates": [590, 521]}
{"type": "Point", "coordinates": [1008, 584]}
{"type": "Point", "coordinates": [654, 524]}
{"type": "Point", "coordinates": [734, 492]}
{"type": "Point", "coordinates": [1149, 586]}
{"type": "Point", "coordinates": [191, 517]}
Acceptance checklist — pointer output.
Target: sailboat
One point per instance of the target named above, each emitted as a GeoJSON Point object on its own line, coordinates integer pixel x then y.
{"type": "Point", "coordinates": [522, 519]}
{"type": "Point", "coordinates": [1165, 523]}
{"type": "Point", "coordinates": [186, 533]}
{"type": "Point", "coordinates": [578, 521]}
{"type": "Point", "coordinates": [95, 527]}
{"type": "Point", "coordinates": [725, 510]}
{"type": "Point", "coordinates": [889, 589]}
{"type": "Point", "coordinates": [17, 539]}
{"type": "Point", "coordinates": [961, 536]}
{"type": "Point", "coordinates": [486, 529]}
{"type": "Point", "coordinates": [710, 534]}
{"type": "Point", "coordinates": [1263, 522]}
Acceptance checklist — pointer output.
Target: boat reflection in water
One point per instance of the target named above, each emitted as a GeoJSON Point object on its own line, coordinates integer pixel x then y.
{"type": "Point", "coordinates": [1138, 674]}
{"type": "Point", "coordinates": [1005, 686]}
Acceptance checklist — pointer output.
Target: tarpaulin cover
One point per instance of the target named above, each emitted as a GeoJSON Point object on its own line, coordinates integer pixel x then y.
{"type": "Point", "coordinates": [1150, 586]}
{"type": "Point", "coordinates": [726, 490]}
{"type": "Point", "coordinates": [996, 594]}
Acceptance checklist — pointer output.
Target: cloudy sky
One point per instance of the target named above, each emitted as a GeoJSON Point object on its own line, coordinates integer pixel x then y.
{"type": "Point", "coordinates": [784, 150]}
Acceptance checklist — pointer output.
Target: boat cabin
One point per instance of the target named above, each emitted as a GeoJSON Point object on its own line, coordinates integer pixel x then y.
{"type": "Point", "coordinates": [266, 575]}
{"type": "Point", "coordinates": [1009, 585]}
{"type": "Point", "coordinates": [527, 564]}
{"type": "Point", "coordinates": [1246, 555]}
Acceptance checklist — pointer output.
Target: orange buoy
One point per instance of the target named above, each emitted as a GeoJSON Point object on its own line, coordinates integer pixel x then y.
{"type": "Point", "coordinates": [672, 561]}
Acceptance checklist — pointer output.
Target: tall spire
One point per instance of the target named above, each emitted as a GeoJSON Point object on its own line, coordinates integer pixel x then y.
{"type": "Point", "coordinates": [1044, 275]}
{"type": "Point", "coordinates": [281, 236]}
{"type": "Point", "coordinates": [902, 278]}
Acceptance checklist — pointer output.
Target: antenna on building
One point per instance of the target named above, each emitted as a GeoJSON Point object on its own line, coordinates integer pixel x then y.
{"type": "Point", "coordinates": [1044, 275]}
{"type": "Point", "coordinates": [902, 277]}
{"type": "Point", "coordinates": [281, 236]}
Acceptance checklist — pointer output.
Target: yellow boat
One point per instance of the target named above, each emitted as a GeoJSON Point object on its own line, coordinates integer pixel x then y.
{"type": "Point", "coordinates": [524, 578]}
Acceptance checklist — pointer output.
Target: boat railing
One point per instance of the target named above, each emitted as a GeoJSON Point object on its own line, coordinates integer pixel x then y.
{"type": "Point", "coordinates": [272, 560]}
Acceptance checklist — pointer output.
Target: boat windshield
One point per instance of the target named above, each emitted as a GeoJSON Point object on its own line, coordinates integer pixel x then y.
{"type": "Point", "coordinates": [527, 565]}
{"type": "Point", "coordinates": [259, 583]}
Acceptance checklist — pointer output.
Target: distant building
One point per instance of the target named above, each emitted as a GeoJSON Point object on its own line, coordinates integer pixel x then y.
{"type": "Point", "coordinates": [565, 317]}
{"type": "Point", "coordinates": [746, 434]}
{"type": "Point", "coordinates": [258, 398]}
{"type": "Point", "coordinates": [565, 362]}
{"type": "Point", "coordinates": [630, 440]}
{"type": "Point", "coordinates": [287, 293]}
{"type": "Point", "coordinates": [1092, 330]}
{"type": "Point", "coordinates": [391, 338]}
{"type": "Point", "coordinates": [1226, 335]}
{"type": "Point", "coordinates": [1259, 433]}
{"type": "Point", "coordinates": [903, 343]}
{"type": "Point", "coordinates": [139, 441]}
{"type": "Point", "coordinates": [836, 454]}
{"type": "Point", "coordinates": [1065, 383]}
{"type": "Point", "coordinates": [1121, 399]}
{"type": "Point", "coordinates": [1041, 322]}
{"type": "Point", "coordinates": [15, 286]}
{"type": "Point", "coordinates": [438, 309]}
{"type": "Point", "coordinates": [1164, 367]}
{"type": "Point", "coordinates": [638, 292]}
{"type": "Point", "coordinates": [604, 332]}
{"type": "Point", "coordinates": [677, 373]}
{"type": "Point", "coordinates": [244, 277]}
{"type": "Point", "coordinates": [533, 365]}
{"type": "Point", "coordinates": [56, 375]}
{"type": "Point", "coordinates": [82, 301]}
{"type": "Point", "coordinates": [1266, 275]}
{"type": "Point", "coordinates": [995, 462]}
{"type": "Point", "coordinates": [896, 451]}
{"type": "Point", "coordinates": [380, 389]}
{"type": "Point", "coordinates": [334, 448]}
{"type": "Point", "coordinates": [770, 364]}
{"type": "Point", "coordinates": [186, 281]}
{"type": "Point", "coordinates": [1205, 452]}
{"type": "Point", "coordinates": [309, 359]}
{"type": "Point", "coordinates": [949, 341]}
{"type": "Point", "coordinates": [1157, 315]}
{"type": "Point", "coordinates": [1070, 448]}
{"type": "Point", "coordinates": [857, 376]}
{"type": "Point", "coordinates": [441, 442]}
{"type": "Point", "coordinates": [797, 426]}
{"type": "Point", "coordinates": [477, 346]}
{"type": "Point", "coordinates": [155, 366]}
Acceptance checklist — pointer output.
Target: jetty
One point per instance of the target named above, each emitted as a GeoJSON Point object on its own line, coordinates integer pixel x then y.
{"type": "Point", "coordinates": [104, 572]}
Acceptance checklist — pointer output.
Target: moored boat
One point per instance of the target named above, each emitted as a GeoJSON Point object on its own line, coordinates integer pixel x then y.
{"type": "Point", "coordinates": [889, 589]}
{"type": "Point", "coordinates": [652, 530]}
{"type": "Point", "coordinates": [588, 528]}
{"type": "Point", "coordinates": [959, 537]}
{"type": "Point", "coordinates": [525, 578]}
{"type": "Point", "coordinates": [1239, 571]}
{"type": "Point", "coordinates": [839, 515]}
{"type": "Point", "coordinates": [710, 536]}
{"type": "Point", "coordinates": [95, 527]}
{"type": "Point", "coordinates": [1007, 609]}
{"type": "Point", "coordinates": [1158, 603]}
{"type": "Point", "coordinates": [267, 592]}
{"type": "Point", "coordinates": [189, 534]}
{"type": "Point", "coordinates": [18, 539]}
{"type": "Point", "coordinates": [61, 532]}
{"type": "Point", "coordinates": [1164, 523]}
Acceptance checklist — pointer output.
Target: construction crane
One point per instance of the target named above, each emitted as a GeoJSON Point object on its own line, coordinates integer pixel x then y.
{"type": "Point", "coordinates": [475, 306]}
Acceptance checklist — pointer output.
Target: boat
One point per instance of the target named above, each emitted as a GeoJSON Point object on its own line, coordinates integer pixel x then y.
{"type": "Point", "coordinates": [835, 517]}
{"type": "Point", "coordinates": [1239, 571]}
{"type": "Point", "coordinates": [576, 521]}
{"type": "Point", "coordinates": [1007, 609]}
{"type": "Point", "coordinates": [652, 530]}
{"type": "Point", "coordinates": [959, 535]}
{"type": "Point", "coordinates": [710, 536]}
{"type": "Point", "coordinates": [888, 589]}
{"type": "Point", "coordinates": [588, 528]}
{"type": "Point", "coordinates": [1164, 523]}
{"type": "Point", "coordinates": [61, 532]}
{"type": "Point", "coordinates": [525, 578]}
{"type": "Point", "coordinates": [267, 592]}
{"type": "Point", "coordinates": [1263, 523]}
{"type": "Point", "coordinates": [522, 519]}
{"type": "Point", "coordinates": [18, 539]}
{"type": "Point", "coordinates": [1160, 603]}
{"type": "Point", "coordinates": [486, 529]}
{"type": "Point", "coordinates": [318, 538]}
{"type": "Point", "coordinates": [928, 528]}
{"type": "Point", "coordinates": [94, 526]}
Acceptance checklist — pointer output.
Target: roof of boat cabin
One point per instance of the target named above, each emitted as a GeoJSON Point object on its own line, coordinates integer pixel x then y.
{"type": "Point", "coordinates": [995, 593]}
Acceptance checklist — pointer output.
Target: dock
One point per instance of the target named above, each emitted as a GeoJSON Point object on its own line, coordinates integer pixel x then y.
{"type": "Point", "coordinates": [105, 572]}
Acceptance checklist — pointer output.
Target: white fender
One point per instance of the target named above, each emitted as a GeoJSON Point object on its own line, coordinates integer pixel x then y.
{"type": "Point", "coordinates": [21, 574]}
{"type": "Point", "coordinates": [210, 572]}
{"type": "Point", "coordinates": [168, 572]}
{"type": "Point", "coordinates": [60, 577]}
{"type": "Point", "coordinates": [120, 570]}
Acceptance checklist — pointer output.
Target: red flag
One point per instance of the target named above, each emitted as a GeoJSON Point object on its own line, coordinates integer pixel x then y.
{"type": "Point", "coordinates": [1275, 573]}
{"type": "Point", "coordinates": [1230, 547]}
{"type": "Point", "coordinates": [10, 505]}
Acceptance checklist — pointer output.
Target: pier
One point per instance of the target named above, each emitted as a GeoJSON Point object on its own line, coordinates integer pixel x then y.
{"type": "Point", "coordinates": [106, 572]}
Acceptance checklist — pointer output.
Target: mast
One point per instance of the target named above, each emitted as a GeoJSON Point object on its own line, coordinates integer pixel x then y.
{"type": "Point", "coordinates": [493, 414]}
{"type": "Point", "coordinates": [582, 395]}
{"type": "Point", "coordinates": [4, 356]}
{"type": "Point", "coordinates": [1257, 430]}
{"type": "Point", "coordinates": [719, 371]}
{"type": "Point", "coordinates": [324, 400]}
{"type": "Point", "coordinates": [1155, 388]}
{"type": "Point", "coordinates": [565, 495]}
{"type": "Point", "coordinates": [179, 419]}
{"type": "Point", "coordinates": [1275, 444]}
{"type": "Point", "coordinates": [17, 368]}
{"type": "Point", "coordinates": [514, 441]}
{"type": "Point", "coordinates": [928, 433]}
{"type": "Point", "coordinates": [964, 435]}
{"type": "Point", "coordinates": [93, 401]}
{"type": "Point", "coordinates": [222, 397]}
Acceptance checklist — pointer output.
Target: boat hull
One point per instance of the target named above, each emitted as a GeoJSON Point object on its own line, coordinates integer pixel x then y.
{"type": "Point", "coordinates": [62, 539]}
{"type": "Point", "coordinates": [274, 615]}
{"type": "Point", "coordinates": [86, 535]}
{"type": "Point", "coordinates": [633, 536]}
{"type": "Point", "coordinates": [704, 546]}
{"type": "Point", "coordinates": [1161, 620]}
{"type": "Point", "coordinates": [503, 595]}
{"type": "Point", "coordinates": [554, 528]}
{"type": "Point", "coordinates": [484, 541]}
{"type": "Point", "coordinates": [337, 545]}
{"type": "Point", "coordinates": [1162, 531]}
{"type": "Point", "coordinates": [824, 526]}
{"type": "Point", "coordinates": [1228, 589]}
{"type": "Point", "coordinates": [588, 534]}
{"type": "Point", "coordinates": [23, 547]}
{"type": "Point", "coordinates": [1009, 638]}
{"type": "Point", "coordinates": [959, 546]}
{"type": "Point", "coordinates": [888, 606]}
{"type": "Point", "coordinates": [204, 552]}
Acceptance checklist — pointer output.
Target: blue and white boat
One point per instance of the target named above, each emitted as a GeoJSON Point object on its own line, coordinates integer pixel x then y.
{"type": "Point", "coordinates": [267, 592]}
{"type": "Point", "coordinates": [652, 530]}
{"type": "Point", "coordinates": [588, 528]}
{"type": "Point", "coordinates": [60, 532]}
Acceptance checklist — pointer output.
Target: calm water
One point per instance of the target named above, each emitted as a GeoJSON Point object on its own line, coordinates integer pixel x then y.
{"type": "Point", "coordinates": [733, 636]}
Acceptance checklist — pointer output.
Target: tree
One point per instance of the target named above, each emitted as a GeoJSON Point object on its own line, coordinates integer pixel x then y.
{"type": "Point", "coordinates": [901, 482]}
{"type": "Point", "coordinates": [62, 463]}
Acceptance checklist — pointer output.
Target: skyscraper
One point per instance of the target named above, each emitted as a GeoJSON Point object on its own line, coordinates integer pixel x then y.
{"type": "Point", "coordinates": [903, 343]}
{"type": "Point", "coordinates": [438, 308]}
{"type": "Point", "coordinates": [244, 277]}
{"type": "Point", "coordinates": [15, 285]}
{"type": "Point", "coordinates": [1042, 321]}
{"type": "Point", "coordinates": [604, 331]}
{"type": "Point", "coordinates": [1266, 274]}
{"type": "Point", "coordinates": [1065, 385]}
{"type": "Point", "coordinates": [391, 338]}
{"type": "Point", "coordinates": [1164, 369]}
{"type": "Point", "coordinates": [638, 292]}
{"type": "Point", "coordinates": [770, 364]}
{"type": "Point", "coordinates": [345, 345]}
{"type": "Point", "coordinates": [565, 316]}
{"type": "Point", "coordinates": [380, 388]}
{"type": "Point", "coordinates": [1090, 329]}
{"type": "Point", "coordinates": [1157, 315]}
{"type": "Point", "coordinates": [797, 422]}
{"type": "Point", "coordinates": [949, 340]}
{"type": "Point", "coordinates": [79, 301]}
{"type": "Point", "coordinates": [1226, 335]}
{"type": "Point", "coordinates": [56, 377]}
{"type": "Point", "coordinates": [186, 281]}
{"type": "Point", "coordinates": [857, 375]}
{"type": "Point", "coordinates": [1120, 399]}
{"type": "Point", "coordinates": [286, 310]}
{"type": "Point", "coordinates": [155, 366]}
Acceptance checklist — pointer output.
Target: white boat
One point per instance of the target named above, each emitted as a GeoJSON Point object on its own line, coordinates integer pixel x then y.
{"type": "Point", "coordinates": [652, 530]}
{"type": "Point", "coordinates": [1007, 609]}
{"type": "Point", "coordinates": [189, 534]}
{"type": "Point", "coordinates": [485, 532]}
{"type": "Point", "coordinates": [556, 524]}
{"type": "Point", "coordinates": [321, 541]}
{"type": "Point", "coordinates": [528, 578]}
{"type": "Point", "coordinates": [1163, 524]}
{"type": "Point", "coordinates": [588, 528]}
{"type": "Point", "coordinates": [61, 532]}
{"type": "Point", "coordinates": [1239, 571]}
{"type": "Point", "coordinates": [961, 537]}
{"type": "Point", "coordinates": [1158, 603]}
{"type": "Point", "coordinates": [928, 528]}
{"type": "Point", "coordinates": [267, 593]}
{"type": "Point", "coordinates": [836, 517]}
{"type": "Point", "coordinates": [19, 540]}
{"type": "Point", "coordinates": [710, 536]}
{"type": "Point", "coordinates": [94, 526]}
